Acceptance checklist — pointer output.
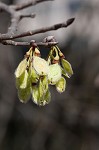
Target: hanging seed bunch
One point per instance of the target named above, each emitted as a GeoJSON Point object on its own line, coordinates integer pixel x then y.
{"type": "Point", "coordinates": [34, 74]}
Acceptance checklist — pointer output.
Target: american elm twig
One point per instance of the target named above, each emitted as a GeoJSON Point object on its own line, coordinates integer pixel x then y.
{"type": "Point", "coordinates": [37, 31]}
{"type": "Point", "coordinates": [10, 42]}
{"type": "Point", "coordinates": [17, 15]}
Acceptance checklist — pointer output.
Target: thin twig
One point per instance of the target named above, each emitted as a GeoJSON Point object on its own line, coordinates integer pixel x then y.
{"type": "Point", "coordinates": [15, 43]}
{"type": "Point", "coordinates": [37, 31]}
{"type": "Point", "coordinates": [31, 15]}
{"type": "Point", "coordinates": [27, 4]}
{"type": "Point", "coordinates": [10, 42]}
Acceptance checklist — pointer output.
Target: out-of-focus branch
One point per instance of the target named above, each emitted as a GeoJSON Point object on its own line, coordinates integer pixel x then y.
{"type": "Point", "coordinates": [28, 4]}
{"type": "Point", "coordinates": [15, 18]}
{"type": "Point", "coordinates": [37, 31]}
{"type": "Point", "coordinates": [31, 15]}
{"type": "Point", "coordinates": [44, 29]}
{"type": "Point", "coordinates": [17, 15]}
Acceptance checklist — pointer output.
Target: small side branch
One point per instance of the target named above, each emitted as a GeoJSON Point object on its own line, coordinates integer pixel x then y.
{"type": "Point", "coordinates": [31, 15]}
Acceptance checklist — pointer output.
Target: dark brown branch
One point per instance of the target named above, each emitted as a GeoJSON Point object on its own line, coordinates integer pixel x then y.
{"type": "Point", "coordinates": [10, 42]}
{"type": "Point", "coordinates": [27, 4]}
{"type": "Point", "coordinates": [37, 31]}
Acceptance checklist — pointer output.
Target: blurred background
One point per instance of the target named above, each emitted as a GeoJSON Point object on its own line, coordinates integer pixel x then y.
{"type": "Point", "coordinates": [71, 120]}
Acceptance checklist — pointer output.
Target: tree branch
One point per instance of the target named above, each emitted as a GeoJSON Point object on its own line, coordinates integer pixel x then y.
{"type": "Point", "coordinates": [28, 4]}
{"type": "Point", "coordinates": [17, 15]}
{"type": "Point", "coordinates": [15, 18]}
{"type": "Point", "coordinates": [6, 8]}
{"type": "Point", "coordinates": [37, 31]}
{"type": "Point", "coordinates": [10, 42]}
{"type": "Point", "coordinates": [44, 29]}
